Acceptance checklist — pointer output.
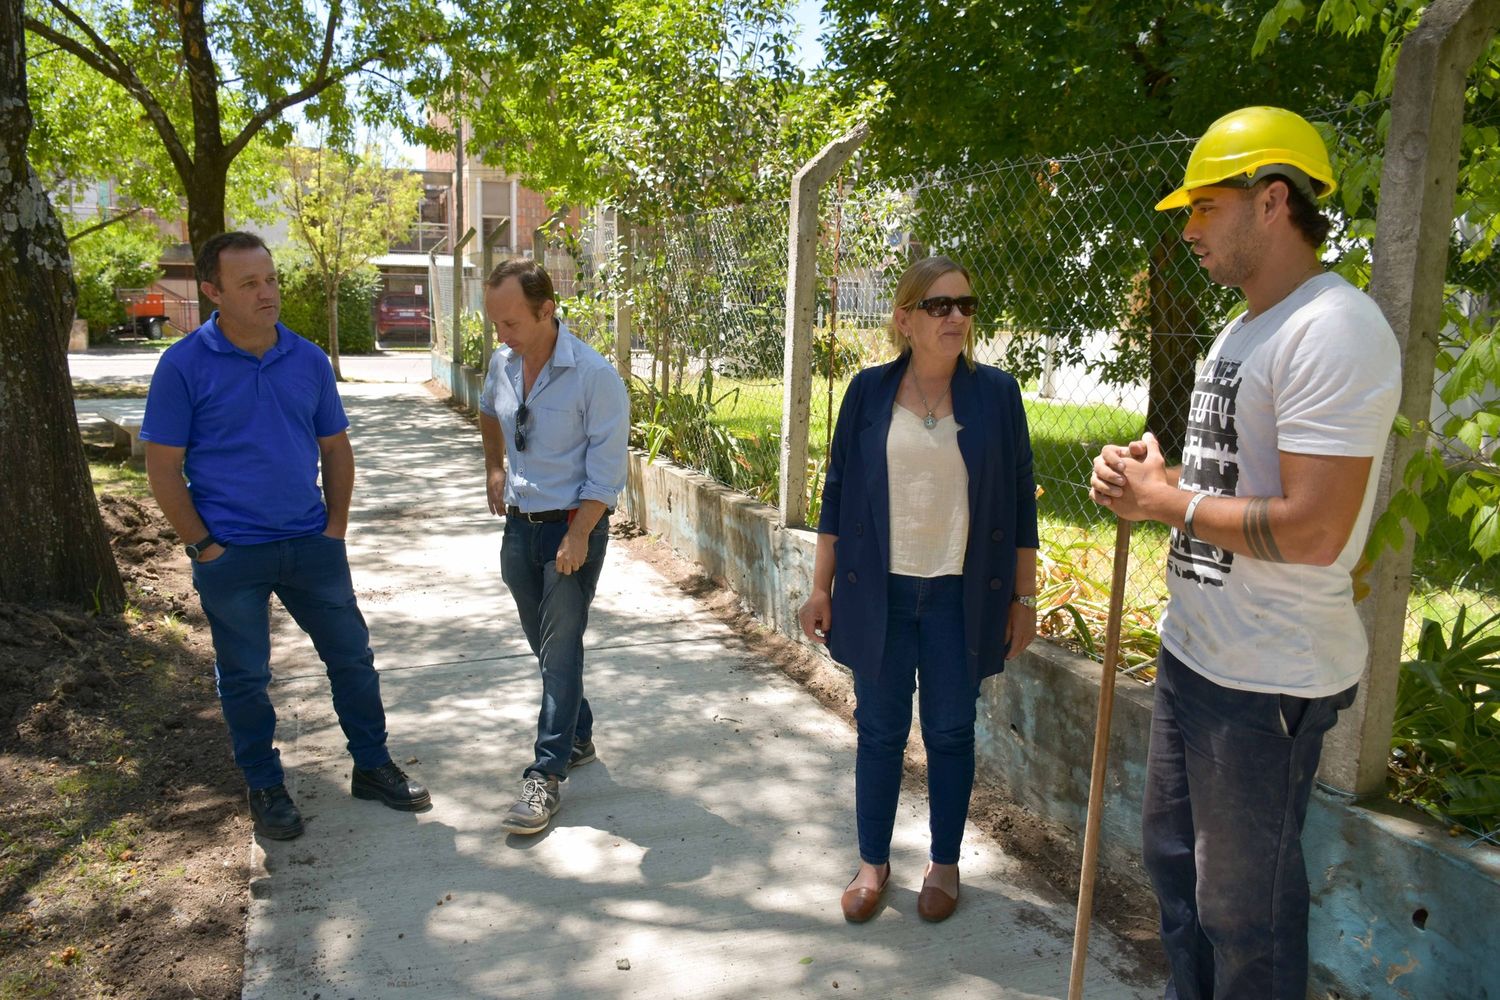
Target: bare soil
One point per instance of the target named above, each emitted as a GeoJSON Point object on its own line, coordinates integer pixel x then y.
{"type": "Point", "coordinates": [124, 858]}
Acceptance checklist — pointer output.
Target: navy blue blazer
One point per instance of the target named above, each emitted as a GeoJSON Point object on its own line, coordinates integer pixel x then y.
{"type": "Point", "coordinates": [996, 450]}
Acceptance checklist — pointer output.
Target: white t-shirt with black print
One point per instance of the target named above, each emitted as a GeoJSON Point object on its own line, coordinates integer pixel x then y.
{"type": "Point", "coordinates": [1317, 374]}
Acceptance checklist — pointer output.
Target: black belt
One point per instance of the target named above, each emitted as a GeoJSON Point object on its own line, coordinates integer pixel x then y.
{"type": "Point", "coordinates": [538, 516]}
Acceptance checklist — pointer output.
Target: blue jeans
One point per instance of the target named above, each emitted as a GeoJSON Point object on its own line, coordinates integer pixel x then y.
{"type": "Point", "coordinates": [1228, 776]}
{"type": "Point", "coordinates": [924, 638]}
{"type": "Point", "coordinates": [311, 576]}
{"type": "Point", "coordinates": [554, 611]}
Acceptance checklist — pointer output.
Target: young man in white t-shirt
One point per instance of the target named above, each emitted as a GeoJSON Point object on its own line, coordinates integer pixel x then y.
{"type": "Point", "coordinates": [1261, 646]}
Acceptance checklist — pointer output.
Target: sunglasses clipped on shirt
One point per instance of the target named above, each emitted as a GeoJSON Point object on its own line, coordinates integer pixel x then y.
{"type": "Point", "coordinates": [938, 306]}
{"type": "Point", "coordinates": [522, 414]}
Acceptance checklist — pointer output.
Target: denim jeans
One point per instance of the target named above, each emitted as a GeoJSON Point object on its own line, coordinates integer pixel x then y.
{"type": "Point", "coordinates": [554, 611]}
{"type": "Point", "coordinates": [311, 576]}
{"type": "Point", "coordinates": [924, 639]}
{"type": "Point", "coordinates": [1228, 776]}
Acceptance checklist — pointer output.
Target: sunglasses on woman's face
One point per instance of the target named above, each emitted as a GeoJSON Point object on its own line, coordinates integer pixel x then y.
{"type": "Point", "coordinates": [939, 306]}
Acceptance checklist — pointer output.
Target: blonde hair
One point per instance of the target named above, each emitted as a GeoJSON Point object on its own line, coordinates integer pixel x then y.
{"type": "Point", "coordinates": [913, 287]}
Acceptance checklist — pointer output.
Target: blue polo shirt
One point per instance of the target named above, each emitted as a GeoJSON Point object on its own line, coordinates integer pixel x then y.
{"type": "Point", "coordinates": [251, 427]}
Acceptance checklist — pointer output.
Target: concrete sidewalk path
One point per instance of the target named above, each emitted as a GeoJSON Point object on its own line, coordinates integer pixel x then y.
{"type": "Point", "coordinates": [701, 856]}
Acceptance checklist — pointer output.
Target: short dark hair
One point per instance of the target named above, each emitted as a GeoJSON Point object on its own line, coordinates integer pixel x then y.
{"type": "Point", "coordinates": [1311, 223]}
{"type": "Point", "coordinates": [535, 284]}
{"type": "Point", "coordinates": [206, 264]}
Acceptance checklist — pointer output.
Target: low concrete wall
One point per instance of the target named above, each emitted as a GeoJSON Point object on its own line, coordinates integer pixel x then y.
{"type": "Point", "coordinates": [1399, 910]}
{"type": "Point", "coordinates": [465, 388]}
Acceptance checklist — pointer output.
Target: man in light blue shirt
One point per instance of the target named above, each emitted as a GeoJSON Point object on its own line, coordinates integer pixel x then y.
{"type": "Point", "coordinates": [555, 420]}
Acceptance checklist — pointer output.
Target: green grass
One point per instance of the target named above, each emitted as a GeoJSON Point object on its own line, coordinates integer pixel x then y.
{"type": "Point", "coordinates": [1064, 440]}
{"type": "Point", "coordinates": [127, 477]}
{"type": "Point", "coordinates": [753, 409]}
{"type": "Point", "coordinates": [26, 986]}
{"type": "Point", "coordinates": [1064, 437]}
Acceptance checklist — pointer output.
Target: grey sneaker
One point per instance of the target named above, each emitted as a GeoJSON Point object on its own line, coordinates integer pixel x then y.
{"type": "Point", "coordinates": [582, 754]}
{"type": "Point", "coordinates": [541, 797]}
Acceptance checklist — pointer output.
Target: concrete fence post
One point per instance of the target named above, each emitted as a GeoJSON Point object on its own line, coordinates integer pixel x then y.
{"type": "Point", "coordinates": [1412, 229]}
{"type": "Point", "coordinates": [624, 288]}
{"type": "Point", "coordinates": [801, 301]}
{"type": "Point", "coordinates": [488, 247]}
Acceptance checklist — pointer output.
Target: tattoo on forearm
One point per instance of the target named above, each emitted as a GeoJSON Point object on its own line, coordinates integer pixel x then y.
{"type": "Point", "coordinates": [1258, 531]}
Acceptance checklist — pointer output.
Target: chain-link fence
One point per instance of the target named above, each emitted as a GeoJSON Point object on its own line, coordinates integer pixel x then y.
{"type": "Point", "coordinates": [1446, 742]}
{"type": "Point", "coordinates": [1447, 574]}
{"type": "Point", "coordinates": [470, 293]}
{"type": "Point", "coordinates": [1089, 297]}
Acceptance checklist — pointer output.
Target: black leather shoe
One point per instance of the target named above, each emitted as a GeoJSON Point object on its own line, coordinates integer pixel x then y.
{"type": "Point", "coordinates": [274, 813]}
{"type": "Point", "coordinates": [390, 785]}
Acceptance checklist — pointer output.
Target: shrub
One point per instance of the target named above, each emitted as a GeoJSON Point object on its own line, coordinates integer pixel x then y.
{"type": "Point", "coordinates": [124, 255]}
{"type": "Point", "coordinates": [304, 308]}
{"type": "Point", "coordinates": [471, 325]}
{"type": "Point", "coordinates": [1445, 743]}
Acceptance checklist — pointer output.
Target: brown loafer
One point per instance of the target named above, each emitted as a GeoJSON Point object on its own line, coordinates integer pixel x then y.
{"type": "Point", "coordinates": [860, 904]}
{"type": "Point", "coordinates": [934, 905]}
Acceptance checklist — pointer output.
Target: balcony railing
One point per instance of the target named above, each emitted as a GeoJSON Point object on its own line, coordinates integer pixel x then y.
{"type": "Point", "coordinates": [424, 236]}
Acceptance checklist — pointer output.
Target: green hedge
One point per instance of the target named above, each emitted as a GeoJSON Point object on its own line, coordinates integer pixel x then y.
{"type": "Point", "coordinates": [303, 306]}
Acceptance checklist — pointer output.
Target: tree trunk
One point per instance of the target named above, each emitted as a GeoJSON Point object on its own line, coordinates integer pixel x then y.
{"type": "Point", "coordinates": [1176, 328]}
{"type": "Point", "coordinates": [206, 188]}
{"type": "Point", "coordinates": [331, 294]}
{"type": "Point", "coordinates": [52, 543]}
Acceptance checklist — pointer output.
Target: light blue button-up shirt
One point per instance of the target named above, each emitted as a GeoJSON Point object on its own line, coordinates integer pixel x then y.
{"type": "Point", "coordinates": [577, 427]}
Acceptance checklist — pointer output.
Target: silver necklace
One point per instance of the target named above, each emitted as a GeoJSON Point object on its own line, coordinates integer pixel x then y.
{"type": "Point", "coordinates": [930, 421]}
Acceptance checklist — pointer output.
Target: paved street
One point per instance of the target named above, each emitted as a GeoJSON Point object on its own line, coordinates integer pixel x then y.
{"type": "Point", "coordinates": [118, 366]}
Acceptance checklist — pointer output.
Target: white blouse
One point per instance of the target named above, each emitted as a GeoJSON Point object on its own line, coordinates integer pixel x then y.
{"type": "Point", "coordinates": [929, 487]}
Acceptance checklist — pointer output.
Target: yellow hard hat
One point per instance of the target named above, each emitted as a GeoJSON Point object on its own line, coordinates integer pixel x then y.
{"type": "Point", "coordinates": [1248, 145]}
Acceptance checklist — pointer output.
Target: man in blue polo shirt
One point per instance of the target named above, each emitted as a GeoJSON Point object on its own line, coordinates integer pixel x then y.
{"type": "Point", "coordinates": [240, 414]}
{"type": "Point", "coordinates": [555, 419]}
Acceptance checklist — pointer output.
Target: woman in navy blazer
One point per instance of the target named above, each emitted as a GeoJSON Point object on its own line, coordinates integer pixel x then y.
{"type": "Point", "coordinates": [926, 566]}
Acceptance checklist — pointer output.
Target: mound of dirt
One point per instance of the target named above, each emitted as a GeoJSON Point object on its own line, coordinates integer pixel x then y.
{"type": "Point", "coordinates": [123, 865]}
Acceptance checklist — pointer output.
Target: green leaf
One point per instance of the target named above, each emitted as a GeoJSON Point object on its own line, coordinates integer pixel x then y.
{"type": "Point", "coordinates": [1274, 20]}
{"type": "Point", "coordinates": [1484, 531]}
{"type": "Point", "coordinates": [1412, 509]}
{"type": "Point", "coordinates": [1469, 432]}
{"type": "Point", "coordinates": [1466, 379]}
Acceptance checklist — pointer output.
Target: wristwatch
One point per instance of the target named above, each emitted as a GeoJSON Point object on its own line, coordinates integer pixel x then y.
{"type": "Point", "coordinates": [1025, 600]}
{"type": "Point", "coordinates": [195, 549]}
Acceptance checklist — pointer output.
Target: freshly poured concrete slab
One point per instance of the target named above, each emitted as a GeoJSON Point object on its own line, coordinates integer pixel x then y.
{"type": "Point", "coordinates": [702, 855]}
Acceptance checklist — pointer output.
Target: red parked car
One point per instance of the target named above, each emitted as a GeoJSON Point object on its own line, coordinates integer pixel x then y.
{"type": "Point", "coordinates": [402, 315]}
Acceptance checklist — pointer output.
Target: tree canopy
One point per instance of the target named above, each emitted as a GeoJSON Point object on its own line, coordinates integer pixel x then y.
{"type": "Point", "coordinates": [207, 80]}
{"type": "Point", "coordinates": [986, 80]}
{"type": "Point", "coordinates": [656, 107]}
